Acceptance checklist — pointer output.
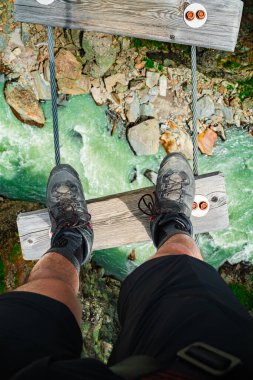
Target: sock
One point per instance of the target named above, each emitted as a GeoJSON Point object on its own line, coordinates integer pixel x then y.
{"type": "Point", "coordinates": [167, 225]}
{"type": "Point", "coordinates": [71, 243]}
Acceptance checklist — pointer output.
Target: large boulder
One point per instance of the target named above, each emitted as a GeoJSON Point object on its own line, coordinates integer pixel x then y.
{"type": "Point", "coordinates": [205, 107]}
{"type": "Point", "coordinates": [67, 66]}
{"type": "Point", "coordinates": [69, 75]}
{"type": "Point", "coordinates": [100, 53]}
{"type": "Point", "coordinates": [144, 137]}
{"type": "Point", "coordinates": [24, 104]}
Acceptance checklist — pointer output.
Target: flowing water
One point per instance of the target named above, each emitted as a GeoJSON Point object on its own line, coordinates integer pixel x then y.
{"type": "Point", "coordinates": [106, 164]}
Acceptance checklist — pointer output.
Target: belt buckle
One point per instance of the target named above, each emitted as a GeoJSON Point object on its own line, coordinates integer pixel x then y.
{"type": "Point", "coordinates": [201, 355]}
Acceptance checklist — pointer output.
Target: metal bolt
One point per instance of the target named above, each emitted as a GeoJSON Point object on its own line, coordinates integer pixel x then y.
{"type": "Point", "coordinates": [190, 15]}
{"type": "Point", "coordinates": [203, 205]}
{"type": "Point", "coordinates": [194, 205]}
{"type": "Point", "coordinates": [201, 15]}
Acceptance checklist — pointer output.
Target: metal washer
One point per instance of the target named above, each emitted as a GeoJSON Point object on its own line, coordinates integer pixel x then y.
{"type": "Point", "coordinates": [195, 23]}
{"type": "Point", "coordinates": [198, 212]}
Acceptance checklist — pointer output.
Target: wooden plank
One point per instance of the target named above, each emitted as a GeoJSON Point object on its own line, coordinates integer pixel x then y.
{"type": "Point", "coordinates": [160, 20]}
{"type": "Point", "coordinates": [117, 220]}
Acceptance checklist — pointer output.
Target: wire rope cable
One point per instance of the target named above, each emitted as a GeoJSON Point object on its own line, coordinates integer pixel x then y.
{"type": "Point", "coordinates": [54, 95]}
{"type": "Point", "coordinates": [194, 116]}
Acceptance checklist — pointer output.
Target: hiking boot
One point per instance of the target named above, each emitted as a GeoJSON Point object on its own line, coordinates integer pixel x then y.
{"type": "Point", "coordinates": [72, 234]}
{"type": "Point", "coordinates": [171, 209]}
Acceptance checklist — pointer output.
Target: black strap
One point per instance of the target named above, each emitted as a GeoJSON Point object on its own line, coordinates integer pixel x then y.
{"type": "Point", "coordinates": [198, 361]}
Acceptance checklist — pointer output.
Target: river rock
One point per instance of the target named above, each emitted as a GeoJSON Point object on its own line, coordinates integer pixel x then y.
{"type": "Point", "coordinates": [228, 115]}
{"type": "Point", "coordinates": [76, 37]}
{"type": "Point", "coordinates": [147, 110]}
{"type": "Point", "coordinates": [206, 141]}
{"type": "Point", "coordinates": [247, 104]}
{"type": "Point", "coordinates": [177, 140]}
{"type": "Point", "coordinates": [67, 66]}
{"type": "Point", "coordinates": [163, 84]}
{"type": "Point", "coordinates": [205, 107]}
{"type": "Point", "coordinates": [137, 84]}
{"type": "Point", "coordinates": [79, 86]}
{"type": "Point", "coordinates": [143, 95]}
{"type": "Point", "coordinates": [152, 79]}
{"type": "Point", "coordinates": [218, 128]}
{"type": "Point", "coordinates": [41, 87]}
{"type": "Point", "coordinates": [99, 96]}
{"type": "Point", "coordinates": [153, 92]}
{"type": "Point", "coordinates": [133, 109]}
{"type": "Point", "coordinates": [24, 104]}
{"type": "Point", "coordinates": [166, 106]}
{"type": "Point", "coordinates": [144, 137]}
{"type": "Point", "coordinates": [100, 52]}
{"type": "Point", "coordinates": [112, 80]}
{"type": "Point", "coordinates": [3, 43]}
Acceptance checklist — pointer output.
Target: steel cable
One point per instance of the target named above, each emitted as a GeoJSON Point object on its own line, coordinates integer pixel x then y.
{"type": "Point", "coordinates": [194, 116]}
{"type": "Point", "coordinates": [54, 95]}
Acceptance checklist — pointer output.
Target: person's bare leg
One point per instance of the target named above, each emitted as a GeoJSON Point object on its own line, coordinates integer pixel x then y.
{"type": "Point", "coordinates": [179, 244]}
{"type": "Point", "coordinates": [56, 277]}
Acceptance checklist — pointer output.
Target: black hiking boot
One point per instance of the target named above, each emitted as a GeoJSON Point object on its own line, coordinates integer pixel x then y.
{"type": "Point", "coordinates": [72, 234]}
{"type": "Point", "coordinates": [171, 209]}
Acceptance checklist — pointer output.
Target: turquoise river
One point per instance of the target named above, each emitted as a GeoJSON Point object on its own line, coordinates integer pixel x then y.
{"type": "Point", "coordinates": [105, 165]}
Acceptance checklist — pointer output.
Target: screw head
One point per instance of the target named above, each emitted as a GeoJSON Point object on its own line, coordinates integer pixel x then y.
{"type": "Point", "coordinates": [200, 14]}
{"type": "Point", "coordinates": [203, 205]}
{"type": "Point", "coordinates": [194, 205]}
{"type": "Point", "coordinates": [190, 15]}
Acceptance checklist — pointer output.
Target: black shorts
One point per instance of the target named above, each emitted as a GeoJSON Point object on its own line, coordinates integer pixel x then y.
{"type": "Point", "coordinates": [164, 305]}
{"type": "Point", "coordinates": [171, 302]}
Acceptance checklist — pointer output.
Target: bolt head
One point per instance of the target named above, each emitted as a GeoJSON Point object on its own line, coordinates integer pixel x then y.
{"type": "Point", "coordinates": [190, 15]}
{"type": "Point", "coordinates": [201, 15]}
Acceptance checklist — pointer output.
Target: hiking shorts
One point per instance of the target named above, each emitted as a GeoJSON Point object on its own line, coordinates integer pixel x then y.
{"type": "Point", "coordinates": [164, 305]}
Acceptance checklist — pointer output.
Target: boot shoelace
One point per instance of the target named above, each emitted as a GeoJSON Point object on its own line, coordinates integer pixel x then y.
{"type": "Point", "coordinates": [174, 184]}
{"type": "Point", "coordinates": [149, 208]}
{"type": "Point", "coordinates": [151, 203]}
{"type": "Point", "coordinates": [69, 207]}
{"type": "Point", "coordinates": [70, 216]}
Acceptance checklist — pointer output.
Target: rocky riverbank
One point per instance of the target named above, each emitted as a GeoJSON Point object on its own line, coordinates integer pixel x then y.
{"type": "Point", "coordinates": [138, 80]}
{"type": "Point", "coordinates": [147, 88]}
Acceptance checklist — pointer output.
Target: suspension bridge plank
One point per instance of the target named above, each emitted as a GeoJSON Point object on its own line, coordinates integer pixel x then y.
{"type": "Point", "coordinates": [117, 220]}
{"type": "Point", "coordinates": [160, 20]}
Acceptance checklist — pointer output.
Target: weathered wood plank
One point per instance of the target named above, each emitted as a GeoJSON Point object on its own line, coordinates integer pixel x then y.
{"type": "Point", "coordinates": [160, 20]}
{"type": "Point", "coordinates": [117, 220]}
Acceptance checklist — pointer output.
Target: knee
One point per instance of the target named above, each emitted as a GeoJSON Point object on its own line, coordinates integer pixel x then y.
{"type": "Point", "coordinates": [58, 290]}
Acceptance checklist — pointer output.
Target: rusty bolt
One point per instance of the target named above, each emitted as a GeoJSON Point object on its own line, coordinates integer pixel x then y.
{"type": "Point", "coordinates": [194, 205]}
{"type": "Point", "coordinates": [203, 205]}
{"type": "Point", "coordinates": [190, 15]}
{"type": "Point", "coordinates": [201, 15]}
